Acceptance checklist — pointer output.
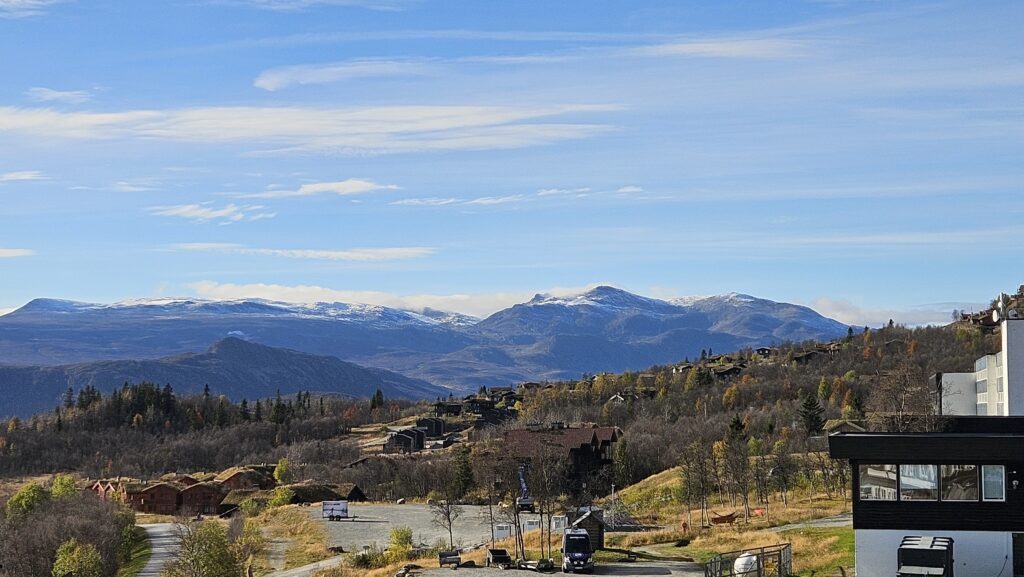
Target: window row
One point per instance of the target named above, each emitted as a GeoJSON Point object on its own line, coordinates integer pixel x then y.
{"type": "Point", "coordinates": [932, 482]}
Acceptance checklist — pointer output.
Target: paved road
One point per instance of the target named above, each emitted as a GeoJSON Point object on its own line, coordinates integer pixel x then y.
{"type": "Point", "coordinates": [373, 524]}
{"type": "Point", "coordinates": [308, 570]}
{"type": "Point", "coordinates": [164, 543]}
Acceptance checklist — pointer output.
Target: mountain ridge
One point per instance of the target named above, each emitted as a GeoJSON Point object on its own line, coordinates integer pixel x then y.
{"type": "Point", "coordinates": [547, 337]}
{"type": "Point", "coordinates": [231, 366]}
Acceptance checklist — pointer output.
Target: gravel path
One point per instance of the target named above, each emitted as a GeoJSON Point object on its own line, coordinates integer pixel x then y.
{"type": "Point", "coordinates": [844, 520]}
{"type": "Point", "coordinates": [308, 570]}
{"type": "Point", "coordinates": [164, 544]}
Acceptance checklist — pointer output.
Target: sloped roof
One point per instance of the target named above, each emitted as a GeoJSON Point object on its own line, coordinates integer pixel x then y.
{"type": "Point", "coordinates": [527, 443]}
{"type": "Point", "coordinates": [246, 472]}
{"type": "Point", "coordinates": [208, 485]}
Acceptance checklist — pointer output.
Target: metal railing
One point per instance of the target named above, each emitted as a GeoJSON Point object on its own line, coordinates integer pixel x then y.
{"type": "Point", "coordinates": [774, 561]}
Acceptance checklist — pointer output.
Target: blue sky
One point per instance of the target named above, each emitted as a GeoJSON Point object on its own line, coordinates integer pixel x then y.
{"type": "Point", "coordinates": [860, 157]}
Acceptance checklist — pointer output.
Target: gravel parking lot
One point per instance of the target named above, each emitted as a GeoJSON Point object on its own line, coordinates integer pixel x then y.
{"type": "Point", "coordinates": [373, 524]}
{"type": "Point", "coordinates": [637, 569]}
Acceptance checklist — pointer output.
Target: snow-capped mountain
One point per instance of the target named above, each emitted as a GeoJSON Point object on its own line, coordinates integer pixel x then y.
{"type": "Point", "coordinates": [604, 329]}
{"type": "Point", "coordinates": [374, 315]}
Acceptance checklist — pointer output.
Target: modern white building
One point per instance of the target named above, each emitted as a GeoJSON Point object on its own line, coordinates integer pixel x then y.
{"type": "Point", "coordinates": [996, 387]}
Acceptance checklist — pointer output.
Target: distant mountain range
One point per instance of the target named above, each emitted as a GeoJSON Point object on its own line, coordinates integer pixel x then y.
{"type": "Point", "coordinates": [605, 329]}
{"type": "Point", "coordinates": [231, 367]}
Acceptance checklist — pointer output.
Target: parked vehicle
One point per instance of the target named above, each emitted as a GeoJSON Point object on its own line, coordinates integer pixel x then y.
{"type": "Point", "coordinates": [334, 510]}
{"type": "Point", "coordinates": [576, 552]}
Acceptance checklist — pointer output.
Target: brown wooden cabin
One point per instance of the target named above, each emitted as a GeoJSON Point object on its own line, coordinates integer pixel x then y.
{"type": "Point", "coordinates": [202, 499]}
{"type": "Point", "coordinates": [158, 498]}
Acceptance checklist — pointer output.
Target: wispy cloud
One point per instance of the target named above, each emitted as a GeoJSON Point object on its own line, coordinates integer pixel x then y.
{"type": "Point", "coordinates": [352, 254]}
{"type": "Point", "coordinates": [283, 77]}
{"type": "Point", "coordinates": [630, 189]}
{"type": "Point", "coordinates": [562, 191]}
{"type": "Point", "coordinates": [321, 130]}
{"type": "Point", "coordinates": [727, 48]}
{"type": "Point", "coordinates": [346, 187]}
{"type": "Point", "coordinates": [23, 8]}
{"type": "Point", "coordinates": [850, 313]}
{"type": "Point", "coordinates": [330, 72]}
{"type": "Point", "coordinates": [15, 252]}
{"type": "Point", "coordinates": [204, 212]}
{"type": "Point", "coordinates": [476, 304]}
{"type": "Point", "coordinates": [492, 200]}
{"type": "Point", "coordinates": [22, 176]}
{"type": "Point", "coordinates": [40, 94]}
{"type": "Point", "coordinates": [424, 201]}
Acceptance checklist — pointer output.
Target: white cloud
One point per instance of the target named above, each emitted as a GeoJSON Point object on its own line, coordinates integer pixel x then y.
{"type": "Point", "coordinates": [847, 312]}
{"type": "Point", "coordinates": [380, 129]}
{"type": "Point", "coordinates": [21, 176]}
{"type": "Point", "coordinates": [557, 191]}
{"type": "Point", "coordinates": [40, 94]}
{"type": "Point", "coordinates": [330, 72]}
{"type": "Point", "coordinates": [424, 201]}
{"type": "Point", "coordinates": [23, 8]}
{"type": "Point", "coordinates": [15, 252]}
{"type": "Point", "coordinates": [203, 212]}
{"type": "Point", "coordinates": [343, 188]}
{"type": "Point", "coordinates": [630, 189]}
{"type": "Point", "coordinates": [353, 254]}
{"type": "Point", "coordinates": [492, 200]}
{"type": "Point", "coordinates": [5, 310]}
{"type": "Point", "coordinates": [727, 48]}
{"type": "Point", "coordinates": [478, 304]}
{"type": "Point", "coordinates": [283, 77]}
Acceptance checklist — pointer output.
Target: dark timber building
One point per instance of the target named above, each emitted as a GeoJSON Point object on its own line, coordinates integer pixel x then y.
{"type": "Point", "coordinates": [963, 483]}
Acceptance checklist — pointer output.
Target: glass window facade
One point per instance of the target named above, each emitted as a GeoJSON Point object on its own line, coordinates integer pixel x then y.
{"type": "Point", "coordinates": [993, 482]}
{"type": "Point", "coordinates": [959, 482]}
{"type": "Point", "coordinates": [919, 483]}
{"type": "Point", "coordinates": [877, 482]}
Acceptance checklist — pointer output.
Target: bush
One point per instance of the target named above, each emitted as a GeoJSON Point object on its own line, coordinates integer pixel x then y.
{"type": "Point", "coordinates": [63, 486]}
{"type": "Point", "coordinates": [206, 551]}
{"type": "Point", "coordinates": [372, 558]}
{"type": "Point", "coordinates": [251, 507]}
{"type": "Point", "coordinates": [77, 559]}
{"type": "Point", "coordinates": [26, 500]}
{"type": "Point", "coordinates": [400, 544]}
{"type": "Point", "coordinates": [282, 496]}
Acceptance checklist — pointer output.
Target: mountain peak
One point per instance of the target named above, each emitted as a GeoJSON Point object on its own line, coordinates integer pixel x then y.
{"type": "Point", "coordinates": [604, 295]}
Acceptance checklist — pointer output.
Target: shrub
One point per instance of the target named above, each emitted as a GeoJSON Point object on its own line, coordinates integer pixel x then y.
{"type": "Point", "coordinates": [251, 507]}
{"type": "Point", "coordinates": [77, 559]}
{"type": "Point", "coordinates": [400, 544]}
{"type": "Point", "coordinates": [372, 558]}
{"type": "Point", "coordinates": [282, 496]}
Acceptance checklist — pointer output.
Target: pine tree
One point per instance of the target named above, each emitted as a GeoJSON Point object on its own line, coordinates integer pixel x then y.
{"type": "Point", "coordinates": [811, 415]}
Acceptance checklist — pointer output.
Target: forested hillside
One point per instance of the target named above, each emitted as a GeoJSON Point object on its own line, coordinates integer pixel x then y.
{"type": "Point", "coordinates": [771, 405]}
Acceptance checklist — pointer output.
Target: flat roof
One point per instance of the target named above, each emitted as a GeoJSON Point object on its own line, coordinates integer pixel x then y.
{"type": "Point", "coordinates": [927, 447]}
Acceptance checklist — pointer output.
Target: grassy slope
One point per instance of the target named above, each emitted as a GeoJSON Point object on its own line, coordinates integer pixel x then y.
{"type": "Point", "coordinates": [139, 557]}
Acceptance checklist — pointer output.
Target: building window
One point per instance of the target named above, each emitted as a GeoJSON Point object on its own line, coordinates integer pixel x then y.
{"type": "Point", "coordinates": [959, 482]}
{"type": "Point", "coordinates": [993, 482]}
{"type": "Point", "coordinates": [877, 482]}
{"type": "Point", "coordinates": [919, 483]}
